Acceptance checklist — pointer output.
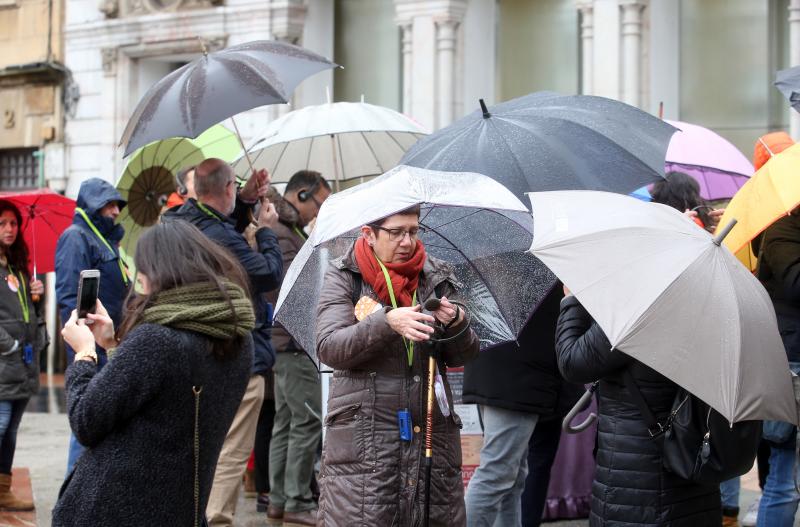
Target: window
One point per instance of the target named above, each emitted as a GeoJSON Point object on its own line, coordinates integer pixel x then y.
{"type": "Point", "coordinates": [19, 169]}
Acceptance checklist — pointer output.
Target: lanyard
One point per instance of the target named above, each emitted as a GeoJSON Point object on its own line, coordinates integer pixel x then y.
{"type": "Point", "coordinates": [102, 239]}
{"type": "Point", "coordinates": [408, 343]}
{"type": "Point", "coordinates": [299, 232]}
{"type": "Point", "coordinates": [22, 295]}
{"type": "Point", "coordinates": [205, 209]}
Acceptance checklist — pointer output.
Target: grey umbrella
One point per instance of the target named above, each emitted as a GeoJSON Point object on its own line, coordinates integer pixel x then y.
{"type": "Point", "coordinates": [546, 141]}
{"type": "Point", "coordinates": [788, 83]}
{"type": "Point", "coordinates": [219, 85]}
{"type": "Point", "coordinates": [666, 293]}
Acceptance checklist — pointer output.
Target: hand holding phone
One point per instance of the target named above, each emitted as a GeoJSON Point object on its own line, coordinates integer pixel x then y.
{"type": "Point", "coordinates": [88, 288]}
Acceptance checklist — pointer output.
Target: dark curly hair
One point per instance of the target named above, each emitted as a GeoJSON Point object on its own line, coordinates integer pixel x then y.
{"type": "Point", "coordinates": [681, 191]}
{"type": "Point", "coordinates": [17, 253]}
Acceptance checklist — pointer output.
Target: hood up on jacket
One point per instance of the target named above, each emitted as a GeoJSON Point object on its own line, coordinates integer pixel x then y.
{"type": "Point", "coordinates": [94, 194]}
{"type": "Point", "coordinates": [776, 142]}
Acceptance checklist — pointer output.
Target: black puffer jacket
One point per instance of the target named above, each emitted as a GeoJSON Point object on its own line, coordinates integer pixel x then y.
{"type": "Point", "coordinates": [631, 487]}
{"type": "Point", "coordinates": [523, 376]}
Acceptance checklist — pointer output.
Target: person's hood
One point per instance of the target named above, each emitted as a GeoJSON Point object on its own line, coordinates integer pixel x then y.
{"type": "Point", "coordinates": [776, 142]}
{"type": "Point", "coordinates": [93, 195]}
{"type": "Point", "coordinates": [96, 193]}
{"type": "Point", "coordinates": [287, 214]}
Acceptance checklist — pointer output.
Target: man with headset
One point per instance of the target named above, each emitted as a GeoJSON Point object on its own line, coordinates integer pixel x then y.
{"type": "Point", "coordinates": [297, 430]}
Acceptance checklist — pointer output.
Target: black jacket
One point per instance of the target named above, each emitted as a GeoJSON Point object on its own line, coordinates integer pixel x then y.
{"type": "Point", "coordinates": [631, 486]}
{"type": "Point", "coordinates": [264, 267]}
{"type": "Point", "coordinates": [136, 416]}
{"type": "Point", "coordinates": [523, 376]}
{"type": "Point", "coordinates": [779, 271]}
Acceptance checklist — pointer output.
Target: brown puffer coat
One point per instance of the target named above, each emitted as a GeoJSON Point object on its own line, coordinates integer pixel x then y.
{"type": "Point", "coordinates": [369, 476]}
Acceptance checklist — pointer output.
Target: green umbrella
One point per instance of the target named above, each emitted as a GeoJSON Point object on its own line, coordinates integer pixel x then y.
{"type": "Point", "coordinates": [149, 177]}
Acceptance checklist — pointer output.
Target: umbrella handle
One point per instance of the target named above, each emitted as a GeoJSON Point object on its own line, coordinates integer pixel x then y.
{"type": "Point", "coordinates": [581, 405]}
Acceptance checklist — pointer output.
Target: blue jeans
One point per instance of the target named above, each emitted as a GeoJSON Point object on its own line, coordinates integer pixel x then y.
{"type": "Point", "coordinates": [10, 417]}
{"type": "Point", "coordinates": [75, 451]}
{"type": "Point", "coordinates": [493, 494]}
{"type": "Point", "coordinates": [779, 500]}
{"type": "Point", "coordinates": [729, 492]}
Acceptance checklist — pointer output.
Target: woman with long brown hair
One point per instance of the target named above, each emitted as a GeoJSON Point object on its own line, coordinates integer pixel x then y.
{"type": "Point", "coordinates": [22, 337]}
{"type": "Point", "coordinates": [154, 418]}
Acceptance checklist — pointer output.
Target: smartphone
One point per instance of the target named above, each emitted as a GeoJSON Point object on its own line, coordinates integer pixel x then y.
{"type": "Point", "coordinates": [88, 287]}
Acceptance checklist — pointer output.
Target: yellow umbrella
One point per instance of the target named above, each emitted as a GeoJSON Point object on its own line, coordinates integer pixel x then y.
{"type": "Point", "coordinates": [773, 192]}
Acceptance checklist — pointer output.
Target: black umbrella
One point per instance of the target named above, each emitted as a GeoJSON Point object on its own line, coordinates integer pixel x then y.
{"type": "Point", "coordinates": [219, 85]}
{"type": "Point", "coordinates": [546, 141]}
{"type": "Point", "coordinates": [788, 83]}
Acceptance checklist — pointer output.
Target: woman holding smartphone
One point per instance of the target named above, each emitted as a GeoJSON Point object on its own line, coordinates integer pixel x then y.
{"type": "Point", "coordinates": [22, 337]}
{"type": "Point", "coordinates": [154, 418]}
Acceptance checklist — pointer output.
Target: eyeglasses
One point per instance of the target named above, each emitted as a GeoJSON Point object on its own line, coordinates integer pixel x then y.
{"type": "Point", "coordinates": [395, 235]}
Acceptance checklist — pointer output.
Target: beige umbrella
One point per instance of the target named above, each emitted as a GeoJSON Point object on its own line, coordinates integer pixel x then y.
{"type": "Point", "coordinates": [348, 143]}
{"type": "Point", "coordinates": [666, 293]}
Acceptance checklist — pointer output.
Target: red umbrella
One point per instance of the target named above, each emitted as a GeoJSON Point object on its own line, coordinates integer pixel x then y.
{"type": "Point", "coordinates": [45, 215]}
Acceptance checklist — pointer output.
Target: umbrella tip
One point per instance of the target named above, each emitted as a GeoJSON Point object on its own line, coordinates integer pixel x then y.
{"type": "Point", "coordinates": [486, 113]}
{"type": "Point", "coordinates": [203, 46]}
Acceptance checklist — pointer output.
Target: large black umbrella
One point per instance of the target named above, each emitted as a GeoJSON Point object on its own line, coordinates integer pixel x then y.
{"type": "Point", "coordinates": [546, 141]}
{"type": "Point", "coordinates": [219, 85]}
{"type": "Point", "coordinates": [788, 83]}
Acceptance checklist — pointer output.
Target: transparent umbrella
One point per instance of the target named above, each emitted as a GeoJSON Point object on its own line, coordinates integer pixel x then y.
{"type": "Point", "coordinates": [477, 225]}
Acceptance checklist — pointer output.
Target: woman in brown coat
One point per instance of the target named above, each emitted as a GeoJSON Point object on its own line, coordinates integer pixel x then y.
{"type": "Point", "coordinates": [371, 331]}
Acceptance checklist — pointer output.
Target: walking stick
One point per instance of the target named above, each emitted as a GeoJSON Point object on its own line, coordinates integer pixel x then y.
{"type": "Point", "coordinates": [432, 304]}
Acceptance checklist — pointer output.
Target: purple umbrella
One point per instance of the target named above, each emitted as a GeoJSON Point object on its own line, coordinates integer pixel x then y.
{"type": "Point", "coordinates": [719, 167]}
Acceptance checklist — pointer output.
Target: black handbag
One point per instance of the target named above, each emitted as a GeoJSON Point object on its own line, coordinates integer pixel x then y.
{"type": "Point", "coordinates": [700, 445]}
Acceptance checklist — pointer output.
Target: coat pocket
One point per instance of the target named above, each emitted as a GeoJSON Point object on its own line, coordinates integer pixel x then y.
{"type": "Point", "coordinates": [343, 442]}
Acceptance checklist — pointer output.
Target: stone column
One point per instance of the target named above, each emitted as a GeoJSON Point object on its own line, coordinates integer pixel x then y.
{"type": "Point", "coordinates": [586, 8]}
{"type": "Point", "coordinates": [631, 50]}
{"type": "Point", "coordinates": [794, 58]}
{"type": "Point", "coordinates": [430, 58]}
{"type": "Point", "coordinates": [406, 30]}
{"type": "Point", "coordinates": [446, 49]}
{"type": "Point", "coordinates": [287, 23]}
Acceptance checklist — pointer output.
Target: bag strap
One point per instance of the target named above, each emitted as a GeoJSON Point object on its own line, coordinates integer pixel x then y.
{"type": "Point", "coordinates": [358, 283]}
{"type": "Point", "coordinates": [654, 428]}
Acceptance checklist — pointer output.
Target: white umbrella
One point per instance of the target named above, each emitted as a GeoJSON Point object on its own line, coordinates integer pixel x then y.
{"type": "Point", "coordinates": [472, 222]}
{"type": "Point", "coordinates": [666, 293]}
{"type": "Point", "coordinates": [343, 141]}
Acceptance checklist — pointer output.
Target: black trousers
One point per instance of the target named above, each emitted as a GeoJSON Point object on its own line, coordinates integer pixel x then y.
{"type": "Point", "coordinates": [542, 449]}
{"type": "Point", "coordinates": [261, 448]}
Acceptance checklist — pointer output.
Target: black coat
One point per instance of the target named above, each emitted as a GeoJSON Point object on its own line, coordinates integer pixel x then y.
{"type": "Point", "coordinates": [264, 267]}
{"type": "Point", "coordinates": [523, 376]}
{"type": "Point", "coordinates": [136, 416]}
{"type": "Point", "coordinates": [631, 487]}
{"type": "Point", "coordinates": [779, 271]}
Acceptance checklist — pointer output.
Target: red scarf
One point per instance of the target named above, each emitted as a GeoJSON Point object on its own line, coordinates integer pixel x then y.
{"type": "Point", "coordinates": [404, 276]}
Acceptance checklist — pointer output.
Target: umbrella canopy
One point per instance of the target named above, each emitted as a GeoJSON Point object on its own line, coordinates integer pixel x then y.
{"type": "Point", "coordinates": [719, 167]}
{"type": "Point", "coordinates": [45, 215]}
{"type": "Point", "coordinates": [788, 83]}
{"type": "Point", "coordinates": [773, 192]}
{"type": "Point", "coordinates": [667, 295]}
{"type": "Point", "coordinates": [217, 86]}
{"type": "Point", "coordinates": [546, 141]}
{"type": "Point", "coordinates": [343, 141]}
{"type": "Point", "coordinates": [477, 225]}
{"type": "Point", "coordinates": [149, 177]}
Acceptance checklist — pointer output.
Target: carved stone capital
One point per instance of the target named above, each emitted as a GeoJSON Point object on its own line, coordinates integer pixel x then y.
{"type": "Point", "coordinates": [109, 58]}
{"type": "Point", "coordinates": [110, 8]}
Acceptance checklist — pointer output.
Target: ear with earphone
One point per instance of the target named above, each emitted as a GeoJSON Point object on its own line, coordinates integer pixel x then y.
{"type": "Point", "coordinates": [307, 194]}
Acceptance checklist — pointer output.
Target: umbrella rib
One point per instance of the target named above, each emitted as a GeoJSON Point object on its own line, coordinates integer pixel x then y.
{"type": "Point", "coordinates": [280, 156]}
{"type": "Point", "coordinates": [477, 271]}
{"type": "Point", "coordinates": [372, 151]}
{"type": "Point", "coordinates": [310, 148]}
{"type": "Point", "coordinates": [393, 138]}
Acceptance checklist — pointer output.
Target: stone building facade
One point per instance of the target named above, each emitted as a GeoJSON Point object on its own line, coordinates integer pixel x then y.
{"type": "Point", "coordinates": [32, 94]}
{"type": "Point", "coordinates": [710, 62]}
